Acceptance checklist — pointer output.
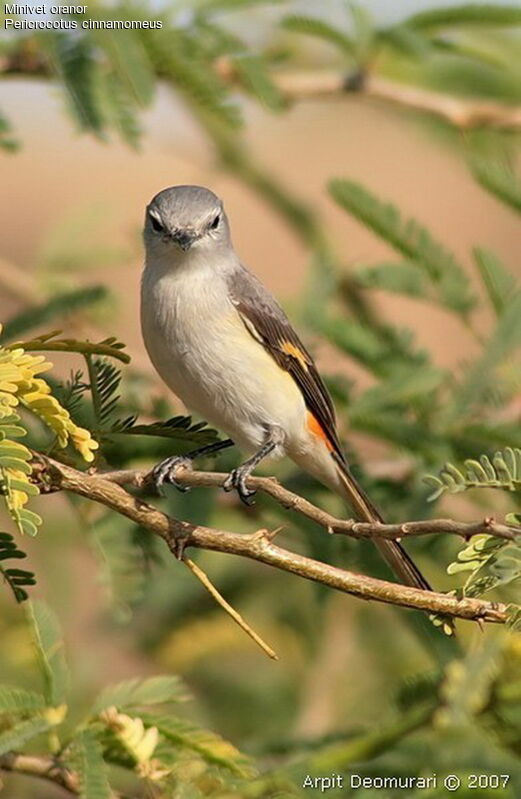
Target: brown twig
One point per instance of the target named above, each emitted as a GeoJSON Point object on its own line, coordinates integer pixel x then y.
{"type": "Point", "coordinates": [261, 548]}
{"type": "Point", "coordinates": [460, 112]}
{"type": "Point", "coordinates": [45, 767]}
{"type": "Point", "coordinates": [210, 587]}
{"type": "Point", "coordinates": [291, 501]}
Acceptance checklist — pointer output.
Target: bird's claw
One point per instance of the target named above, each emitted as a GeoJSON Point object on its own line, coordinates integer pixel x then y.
{"type": "Point", "coordinates": [165, 472]}
{"type": "Point", "coordinates": [237, 479]}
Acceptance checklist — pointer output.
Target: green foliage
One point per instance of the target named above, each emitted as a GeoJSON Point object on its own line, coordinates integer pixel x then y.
{"type": "Point", "coordinates": [502, 471]}
{"type": "Point", "coordinates": [50, 651]}
{"type": "Point", "coordinates": [16, 579]}
{"type": "Point", "coordinates": [92, 769]}
{"type": "Point", "coordinates": [210, 747]}
{"type": "Point", "coordinates": [411, 240]}
{"type": "Point", "coordinates": [18, 701]}
{"type": "Point", "coordinates": [8, 142]}
{"type": "Point", "coordinates": [499, 283]}
{"type": "Point", "coordinates": [21, 733]}
{"type": "Point", "coordinates": [147, 739]}
{"type": "Point", "coordinates": [180, 428]}
{"type": "Point", "coordinates": [314, 26]}
{"type": "Point", "coordinates": [481, 376]}
{"type": "Point", "coordinates": [491, 562]}
{"type": "Point", "coordinates": [252, 73]}
{"type": "Point", "coordinates": [138, 693]}
{"type": "Point", "coordinates": [400, 278]}
{"type": "Point", "coordinates": [104, 380]}
{"type": "Point", "coordinates": [467, 14]}
{"type": "Point", "coordinates": [497, 176]}
{"type": "Point", "coordinates": [69, 302]}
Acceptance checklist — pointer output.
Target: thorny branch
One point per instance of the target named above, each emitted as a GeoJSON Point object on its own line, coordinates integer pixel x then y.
{"type": "Point", "coordinates": [291, 501]}
{"type": "Point", "coordinates": [259, 546]}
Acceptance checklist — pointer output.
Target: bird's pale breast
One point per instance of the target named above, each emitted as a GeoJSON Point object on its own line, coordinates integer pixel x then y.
{"type": "Point", "coordinates": [202, 350]}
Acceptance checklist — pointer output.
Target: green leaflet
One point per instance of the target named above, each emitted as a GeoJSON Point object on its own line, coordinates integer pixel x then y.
{"type": "Point", "coordinates": [124, 569]}
{"type": "Point", "coordinates": [497, 177]}
{"type": "Point", "coordinates": [410, 239]}
{"type": "Point", "coordinates": [491, 561]}
{"type": "Point", "coordinates": [312, 26]}
{"type": "Point", "coordinates": [502, 471]}
{"type": "Point", "coordinates": [50, 651]}
{"type": "Point", "coordinates": [504, 342]}
{"type": "Point", "coordinates": [141, 693]}
{"type": "Point", "coordinates": [17, 701]}
{"type": "Point", "coordinates": [499, 283]}
{"type": "Point", "coordinates": [178, 427]}
{"type": "Point", "coordinates": [180, 57]}
{"type": "Point", "coordinates": [76, 63]}
{"type": "Point", "coordinates": [400, 278]}
{"type": "Point", "coordinates": [92, 769]}
{"type": "Point", "coordinates": [254, 76]}
{"type": "Point", "coordinates": [66, 303]}
{"type": "Point", "coordinates": [18, 735]}
{"type": "Point", "coordinates": [8, 142]}
{"type": "Point", "coordinates": [16, 579]}
{"type": "Point", "coordinates": [130, 63]}
{"type": "Point", "coordinates": [466, 14]}
{"type": "Point", "coordinates": [208, 745]}
{"type": "Point", "coordinates": [406, 386]}
{"type": "Point", "coordinates": [468, 683]}
{"type": "Point", "coordinates": [104, 379]}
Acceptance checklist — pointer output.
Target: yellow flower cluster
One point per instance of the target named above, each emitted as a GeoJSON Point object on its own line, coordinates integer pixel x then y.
{"type": "Point", "coordinates": [140, 742]}
{"type": "Point", "coordinates": [19, 384]}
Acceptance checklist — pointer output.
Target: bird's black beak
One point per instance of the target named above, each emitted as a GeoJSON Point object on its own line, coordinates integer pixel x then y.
{"type": "Point", "coordinates": [184, 238]}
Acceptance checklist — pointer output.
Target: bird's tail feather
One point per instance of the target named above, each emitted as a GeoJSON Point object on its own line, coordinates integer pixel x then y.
{"type": "Point", "coordinates": [400, 562]}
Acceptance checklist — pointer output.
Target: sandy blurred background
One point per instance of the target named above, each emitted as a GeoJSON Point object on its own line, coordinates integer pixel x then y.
{"type": "Point", "coordinates": [63, 180]}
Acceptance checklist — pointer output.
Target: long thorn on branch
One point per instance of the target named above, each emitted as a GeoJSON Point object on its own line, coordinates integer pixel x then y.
{"type": "Point", "coordinates": [212, 590]}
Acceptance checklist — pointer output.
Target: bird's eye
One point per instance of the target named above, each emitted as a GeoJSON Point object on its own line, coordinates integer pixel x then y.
{"type": "Point", "coordinates": [215, 222]}
{"type": "Point", "coordinates": [156, 224]}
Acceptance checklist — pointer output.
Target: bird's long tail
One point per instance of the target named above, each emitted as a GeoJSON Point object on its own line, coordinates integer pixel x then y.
{"type": "Point", "coordinates": [400, 562]}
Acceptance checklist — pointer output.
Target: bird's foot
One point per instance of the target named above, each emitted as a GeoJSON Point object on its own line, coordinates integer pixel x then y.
{"type": "Point", "coordinates": [165, 472]}
{"type": "Point", "coordinates": [237, 479]}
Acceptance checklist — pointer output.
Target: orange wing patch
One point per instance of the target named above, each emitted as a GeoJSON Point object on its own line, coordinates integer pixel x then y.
{"type": "Point", "coordinates": [316, 429]}
{"type": "Point", "coordinates": [290, 349]}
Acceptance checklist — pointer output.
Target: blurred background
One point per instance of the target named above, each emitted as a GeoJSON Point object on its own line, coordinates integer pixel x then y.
{"type": "Point", "coordinates": [399, 357]}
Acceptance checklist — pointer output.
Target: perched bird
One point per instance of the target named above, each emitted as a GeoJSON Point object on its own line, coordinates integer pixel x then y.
{"type": "Point", "coordinates": [225, 347]}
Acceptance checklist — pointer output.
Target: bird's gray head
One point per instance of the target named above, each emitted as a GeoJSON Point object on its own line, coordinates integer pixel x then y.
{"type": "Point", "coordinates": [184, 218]}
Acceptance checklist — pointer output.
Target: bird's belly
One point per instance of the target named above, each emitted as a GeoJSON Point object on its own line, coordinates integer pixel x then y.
{"type": "Point", "coordinates": [221, 372]}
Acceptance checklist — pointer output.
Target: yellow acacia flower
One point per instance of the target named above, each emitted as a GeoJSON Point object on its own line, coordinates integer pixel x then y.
{"type": "Point", "coordinates": [21, 385]}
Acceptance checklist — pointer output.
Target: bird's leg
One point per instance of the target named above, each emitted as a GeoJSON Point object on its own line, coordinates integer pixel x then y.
{"type": "Point", "coordinates": [165, 471]}
{"type": "Point", "coordinates": [237, 478]}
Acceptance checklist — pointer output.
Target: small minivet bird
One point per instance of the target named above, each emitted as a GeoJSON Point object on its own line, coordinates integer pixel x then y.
{"type": "Point", "coordinates": [224, 346]}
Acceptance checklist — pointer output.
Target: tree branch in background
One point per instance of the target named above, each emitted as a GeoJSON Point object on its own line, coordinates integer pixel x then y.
{"type": "Point", "coordinates": [259, 546]}
{"type": "Point", "coordinates": [460, 112]}
{"type": "Point", "coordinates": [309, 84]}
{"type": "Point", "coordinates": [45, 767]}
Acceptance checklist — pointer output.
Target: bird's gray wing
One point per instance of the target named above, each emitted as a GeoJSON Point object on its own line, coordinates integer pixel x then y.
{"type": "Point", "coordinates": [267, 323]}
